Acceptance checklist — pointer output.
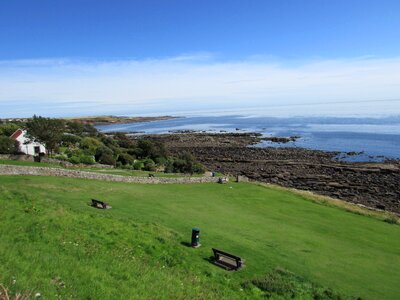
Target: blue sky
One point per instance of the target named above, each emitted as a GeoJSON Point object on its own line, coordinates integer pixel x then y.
{"type": "Point", "coordinates": [75, 57]}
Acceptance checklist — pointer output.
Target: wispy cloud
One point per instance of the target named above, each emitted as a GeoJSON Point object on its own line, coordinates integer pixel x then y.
{"type": "Point", "coordinates": [195, 82]}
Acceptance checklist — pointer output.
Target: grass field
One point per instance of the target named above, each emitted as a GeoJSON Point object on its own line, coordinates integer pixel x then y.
{"type": "Point", "coordinates": [28, 163]}
{"type": "Point", "coordinates": [88, 168]}
{"type": "Point", "coordinates": [52, 242]}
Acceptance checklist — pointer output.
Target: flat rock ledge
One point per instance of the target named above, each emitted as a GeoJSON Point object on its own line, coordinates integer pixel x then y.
{"type": "Point", "coordinates": [44, 171]}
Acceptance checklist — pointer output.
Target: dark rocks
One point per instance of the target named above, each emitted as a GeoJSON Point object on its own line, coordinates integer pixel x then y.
{"type": "Point", "coordinates": [282, 140]}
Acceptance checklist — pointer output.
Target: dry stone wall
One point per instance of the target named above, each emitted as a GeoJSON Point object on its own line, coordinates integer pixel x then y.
{"type": "Point", "coordinates": [43, 171]}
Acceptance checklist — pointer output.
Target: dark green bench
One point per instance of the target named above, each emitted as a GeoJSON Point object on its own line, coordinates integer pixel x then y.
{"type": "Point", "coordinates": [99, 204]}
{"type": "Point", "coordinates": [227, 261]}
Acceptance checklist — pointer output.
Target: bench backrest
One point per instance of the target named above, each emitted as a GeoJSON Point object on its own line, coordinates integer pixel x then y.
{"type": "Point", "coordinates": [237, 259]}
{"type": "Point", "coordinates": [94, 201]}
{"type": "Point", "coordinates": [99, 204]}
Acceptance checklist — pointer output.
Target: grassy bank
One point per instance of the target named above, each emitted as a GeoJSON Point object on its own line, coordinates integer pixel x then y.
{"type": "Point", "coordinates": [52, 242]}
{"type": "Point", "coordinates": [88, 168]}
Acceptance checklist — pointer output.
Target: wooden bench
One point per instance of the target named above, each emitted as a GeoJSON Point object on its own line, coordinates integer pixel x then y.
{"type": "Point", "coordinates": [227, 261]}
{"type": "Point", "coordinates": [100, 204]}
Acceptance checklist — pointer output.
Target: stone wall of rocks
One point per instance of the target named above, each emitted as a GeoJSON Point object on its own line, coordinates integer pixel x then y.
{"type": "Point", "coordinates": [42, 171]}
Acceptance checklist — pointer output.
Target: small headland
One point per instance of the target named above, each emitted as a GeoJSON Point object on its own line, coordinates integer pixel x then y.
{"type": "Point", "coordinates": [109, 120]}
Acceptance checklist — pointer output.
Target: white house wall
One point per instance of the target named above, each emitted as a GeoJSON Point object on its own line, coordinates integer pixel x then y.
{"type": "Point", "coordinates": [29, 147]}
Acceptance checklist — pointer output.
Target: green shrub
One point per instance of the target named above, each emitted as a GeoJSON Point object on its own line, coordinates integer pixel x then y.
{"type": "Point", "coordinates": [149, 149]}
{"type": "Point", "coordinates": [87, 159]}
{"type": "Point", "coordinates": [8, 129]}
{"type": "Point", "coordinates": [74, 159]}
{"type": "Point", "coordinates": [149, 165]}
{"type": "Point", "coordinates": [70, 140]}
{"type": "Point", "coordinates": [138, 165]}
{"type": "Point", "coordinates": [75, 127]}
{"type": "Point", "coordinates": [161, 160]}
{"type": "Point", "coordinates": [8, 145]}
{"type": "Point", "coordinates": [90, 130]}
{"type": "Point", "coordinates": [185, 163]}
{"type": "Point", "coordinates": [109, 141]}
{"type": "Point", "coordinates": [102, 150]}
{"type": "Point", "coordinates": [61, 157]}
{"type": "Point", "coordinates": [90, 144]}
{"type": "Point", "coordinates": [107, 159]}
{"type": "Point", "coordinates": [125, 159]}
{"type": "Point", "coordinates": [123, 140]}
{"type": "Point", "coordinates": [73, 152]}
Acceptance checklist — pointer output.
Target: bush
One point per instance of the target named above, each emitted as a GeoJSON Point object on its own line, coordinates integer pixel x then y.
{"type": "Point", "coordinates": [8, 129]}
{"type": "Point", "coordinates": [186, 163]}
{"type": "Point", "coordinates": [125, 159]}
{"type": "Point", "coordinates": [87, 159]}
{"type": "Point", "coordinates": [61, 157]}
{"type": "Point", "coordinates": [149, 165]}
{"type": "Point", "coordinates": [107, 159]}
{"type": "Point", "coordinates": [109, 141]}
{"type": "Point", "coordinates": [160, 161]}
{"type": "Point", "coordinates": [70, 140]}
{"type": "Point", "coordinates": [149, 149]}
{"type": "Point", "coordinates": [73, 152]}
{"type": "Point", "coordinates": [75, 127]}
{"type": "Point", "coordinates": [90, 144]}
{"type": "Point", "coordinates": [138, 165]}
{"type": "Point", "coordinates": [102, 150]}
{"type": "Point", "coordinates": [8, 145]}
{"type": "Point", "coordinates": [90, 130]}
{"type": "Point", "coordinates": [74, 159]}
{"type": "Point", "coordinates": [122, 140]}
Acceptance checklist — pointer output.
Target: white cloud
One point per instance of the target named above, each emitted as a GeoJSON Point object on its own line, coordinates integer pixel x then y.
{"type": "Point", "coordinates": [186, 83]}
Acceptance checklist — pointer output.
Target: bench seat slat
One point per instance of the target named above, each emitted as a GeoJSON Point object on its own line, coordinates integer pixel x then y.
{"type": "Point", "coordinates": [231, 262]}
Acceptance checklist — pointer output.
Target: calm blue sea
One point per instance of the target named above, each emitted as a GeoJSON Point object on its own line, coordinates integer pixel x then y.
{"type": "Point", "coordinates": [374, 138]}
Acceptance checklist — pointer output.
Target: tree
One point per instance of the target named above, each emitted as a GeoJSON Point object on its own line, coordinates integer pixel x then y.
{"type": "Point", "coordinates": [107, 159]}
{"type": "Point", "coordinates": [125, 159]}
{"type": "Point", "coordinates": [149, 164]}
{"type": "Point", "coordinates": [75, 127]}
{"type": "Point", "coordinates": [8, 145]}
{"type": "Point", "coordinates": [46, 131]}
{"type": "Point", "coordinates": [90, 144]}
{"type": "Point", "coordinates": [150, 149]}
{"type": "Point", "coordinates": [8, 129]}
{"type": "Point", "coordinates": [103, 150]}
{"type": "Point", "coordinates": [69, 140]}
{"type": "Point", "coordinates": [122, 140]}
{"type": "Point", "coordinates": [90, 130]}
{"type": "Point", "coordinates": [185, 163]}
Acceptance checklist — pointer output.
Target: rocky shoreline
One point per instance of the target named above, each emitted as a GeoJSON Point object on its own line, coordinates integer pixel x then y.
{"type": "Point", "coordinates": [375, 185]}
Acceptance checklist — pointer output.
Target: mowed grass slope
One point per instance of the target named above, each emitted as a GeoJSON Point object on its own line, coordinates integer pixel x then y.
{"type": "Point", "coordinates": [54, 243]}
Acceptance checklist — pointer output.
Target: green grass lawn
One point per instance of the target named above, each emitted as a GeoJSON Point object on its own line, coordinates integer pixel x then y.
{"type": "Point", "coordinates": [28, 163]}
{"type": "Point", "coordinates": [88, 168]}
{"type": "Point", "coordinates": [138, 173]}
{"type": "Point", "coordinates": [52, 242]}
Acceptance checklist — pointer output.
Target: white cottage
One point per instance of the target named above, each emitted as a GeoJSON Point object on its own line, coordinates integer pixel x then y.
{"type": "Point", "coordinates": [25, 145]}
